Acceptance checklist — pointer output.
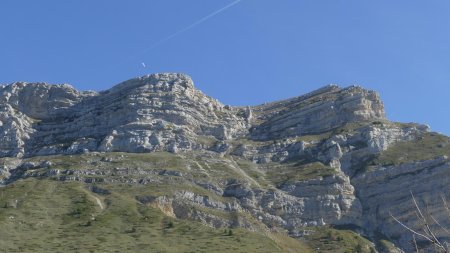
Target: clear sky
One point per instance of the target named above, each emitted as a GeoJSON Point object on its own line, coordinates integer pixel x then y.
{"type": "Point", "coordinates": [253, 52]}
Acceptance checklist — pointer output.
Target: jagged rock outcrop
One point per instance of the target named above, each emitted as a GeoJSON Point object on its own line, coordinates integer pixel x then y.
{"type": "Point", "coordinates": [16, 129]}
{"type": "Point", "coordinates": [311, 160]}
{"type": "Point", "coordinates": [162, 112]}
{"type": "Point", "coordinates": [156, 112]}
{"type": "Point", "coordinates": [316, 112]}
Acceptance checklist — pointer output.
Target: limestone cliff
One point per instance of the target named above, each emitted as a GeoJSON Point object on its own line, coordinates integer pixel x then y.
{"type": "Point", "coordinates": [327, 158]}
{"type": "Point", "coordinates": [163, 112]}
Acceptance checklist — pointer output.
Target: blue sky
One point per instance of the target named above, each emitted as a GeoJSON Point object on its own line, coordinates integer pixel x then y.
{"type": "Point", "coordinates": [253, 52]}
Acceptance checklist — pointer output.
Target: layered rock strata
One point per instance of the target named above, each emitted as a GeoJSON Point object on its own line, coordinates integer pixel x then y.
{"type": "Point", "coordinates": [311, 160]}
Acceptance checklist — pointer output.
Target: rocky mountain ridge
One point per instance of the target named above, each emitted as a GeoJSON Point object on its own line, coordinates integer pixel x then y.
{"type": "Point", "coordinates": [162, 112]}
{"type": "Point", "coordinates": [327, 158]}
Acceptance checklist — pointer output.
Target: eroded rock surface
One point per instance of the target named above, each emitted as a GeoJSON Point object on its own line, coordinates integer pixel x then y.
{"type": "Point", "coordinates": [162, 112]}
{"type": "Point", "coordinates": [329, 157]}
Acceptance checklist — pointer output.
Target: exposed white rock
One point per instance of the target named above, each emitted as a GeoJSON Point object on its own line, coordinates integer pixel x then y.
{"type": "Point", "coordinates": [161, 112]}
{"type": "Point", "coordinates": [155, 112]}
{"type": "Point", "coordinates": [340, 129]}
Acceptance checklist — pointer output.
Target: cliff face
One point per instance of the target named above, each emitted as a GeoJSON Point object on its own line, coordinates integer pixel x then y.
{"type": "Point", "coordinates": [157, 112]}
{"type": "Point", "coordinates": [317, 112]}
{"type": "Point", "coordinates": [163, 112]}
{"type": "Point", "coordinates": [329, 157]}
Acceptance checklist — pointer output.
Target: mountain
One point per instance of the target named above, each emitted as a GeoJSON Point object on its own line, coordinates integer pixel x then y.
{"type": "Point", "coordinates": [154, 158]}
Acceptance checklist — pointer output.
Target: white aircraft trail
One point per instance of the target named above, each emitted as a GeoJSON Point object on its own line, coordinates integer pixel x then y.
{"type": "Point", "coordinates": [196, 23]}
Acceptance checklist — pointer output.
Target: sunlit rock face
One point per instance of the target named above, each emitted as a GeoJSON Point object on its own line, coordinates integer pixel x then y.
{"type": "Point", "coordinates": [163, 112]}
{"type": "Point", "coordinates": [329, 157]}
{"type": "Point", "coordinates": [155, 112]}
{"type": "Point", "coordinates": [316, 112]}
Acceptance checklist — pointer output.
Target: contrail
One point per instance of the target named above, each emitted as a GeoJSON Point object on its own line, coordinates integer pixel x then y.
{"type": "Point", "coordinates": [196, 23]}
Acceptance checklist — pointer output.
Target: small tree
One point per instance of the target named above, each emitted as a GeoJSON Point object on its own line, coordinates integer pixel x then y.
{"type": "Point", "coordinates": [169, 224]}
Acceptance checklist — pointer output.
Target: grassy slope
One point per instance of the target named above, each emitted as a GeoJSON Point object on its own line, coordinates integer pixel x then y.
{"type": "Point", "coordinates": [65, 216]}
{"type": "Point", "coordinates": [51, 216]}
{"type": "Point", "coordinates": [327, 239]}
{"type": "Point", "coordinates": [290, 173]}
{"type": "Point", "coordinates": [427, 146]}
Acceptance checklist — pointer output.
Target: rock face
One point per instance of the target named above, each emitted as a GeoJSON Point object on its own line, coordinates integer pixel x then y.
{"type": "Point", "coordinates": [156, 112]}
{"type": "Point", "coordinates": [329, 157]}
{"type": "Point", "coordinates": [386, 191]}
{"type": "Point", "coordinates": [162, 112]}
{"type": "Point", "coordinates": [316, 112]}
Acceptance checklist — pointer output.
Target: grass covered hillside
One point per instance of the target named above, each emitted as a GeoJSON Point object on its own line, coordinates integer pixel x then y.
{"type": "Point", "coordinates": [114, 202]}
{"type": "Point", "coordinates": [50, 216]}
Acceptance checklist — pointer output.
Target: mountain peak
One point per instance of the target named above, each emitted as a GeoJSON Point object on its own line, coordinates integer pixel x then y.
{"type": "Point", "coordinates": [163, 81]}
{"type": "Point", "coordinates": [164, 112]}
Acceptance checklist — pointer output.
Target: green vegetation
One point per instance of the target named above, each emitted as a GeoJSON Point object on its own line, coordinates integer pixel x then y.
{"type": "Point", "coordinates": [52, 216]}
{"type": "Point", "coordinates": [314, 137]}
{"type": "Point", "coordinates": [255, 172]}
{"type": "Point", "coordinates": [149, 161]}
{"type": "Point", "coordinates": [386, 245]}
{"type": "Point", "coordinates": [289, 173]}
{"type": "Point", "coordinates": [327, 239]}
{"type": "Point", "coordinates": [250, 142]}
{"type": "Point", "coordinates": [45, 215]}
{"type": "Point", "coordinates": [426, 146]}
{"type": "Point", "coordinates": [276, 174]}
{"type": "Point", "coordinates": [207, 141]}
